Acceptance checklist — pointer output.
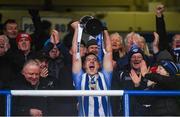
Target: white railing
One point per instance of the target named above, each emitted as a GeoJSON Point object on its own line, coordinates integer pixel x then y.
{"type": "Point", "coordinates": [67, 93]}
{"type": "Point", "coordinates": [126, 94]}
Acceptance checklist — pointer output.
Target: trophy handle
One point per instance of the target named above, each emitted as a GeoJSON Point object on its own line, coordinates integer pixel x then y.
{"type": "Point", "coordinates": [80, 31]}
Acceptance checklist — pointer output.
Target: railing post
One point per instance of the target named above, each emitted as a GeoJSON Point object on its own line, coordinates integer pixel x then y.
{"type": "Point", "coordinates": [8, 105]}
{"type": "Point", "coordinates": [126, 104]}
{"type": "Point", "coordinates": [126, 95]}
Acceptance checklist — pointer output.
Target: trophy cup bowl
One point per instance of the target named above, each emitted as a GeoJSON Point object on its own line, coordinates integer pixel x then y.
{"type": "Point", "coordinates": [91, 25]}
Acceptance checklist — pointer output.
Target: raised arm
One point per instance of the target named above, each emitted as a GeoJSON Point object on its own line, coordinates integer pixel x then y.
{"type": "Point", "coordinates": [107, 60]}
{"type": "Point", "coordinates": [36, 19]}
{"type": "Point", "coordinates": [54, 37]}
{"type": "Point", "coordinates": [54, 40]}
{"type": "Point", "coordinates": [76, 61]}
{"type": "Point", "coordinates": [161, 28]}
{"type": "Point", "coordinates": [155, 44]}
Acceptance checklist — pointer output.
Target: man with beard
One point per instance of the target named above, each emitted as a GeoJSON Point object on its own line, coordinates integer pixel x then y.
{"type": "Point", "coordinates": [92, 46]}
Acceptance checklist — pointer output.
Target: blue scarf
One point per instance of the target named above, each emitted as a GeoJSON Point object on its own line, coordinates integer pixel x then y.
{"type": "Point", "coordinates": [96, 102]}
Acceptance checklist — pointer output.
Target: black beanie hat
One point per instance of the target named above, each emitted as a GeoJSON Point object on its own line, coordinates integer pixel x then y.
{"type": "Point", "coordinates": [169, 66]}
{"type": "Point", "coordinates": [91, 42]}
{"type": "Point", "coordinates": [135, 49]}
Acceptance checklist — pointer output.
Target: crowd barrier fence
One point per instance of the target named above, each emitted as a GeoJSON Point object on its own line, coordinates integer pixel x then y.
{"type": "Point", "coordinates": [125, 93]}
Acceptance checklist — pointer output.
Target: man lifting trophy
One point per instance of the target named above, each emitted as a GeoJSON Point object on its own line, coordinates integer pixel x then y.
{"type": "Point", "coordinates": [89, 73]}
{"type": "Point", "coordinates": [93, 27]}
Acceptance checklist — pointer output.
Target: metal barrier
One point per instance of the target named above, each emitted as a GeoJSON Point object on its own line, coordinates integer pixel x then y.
{"type": "Point", "coordinates": [125, 94]}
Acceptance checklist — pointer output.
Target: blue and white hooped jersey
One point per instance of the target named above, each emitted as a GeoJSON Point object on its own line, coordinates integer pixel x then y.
{"type": "Point", "coordinates": [93, 105]}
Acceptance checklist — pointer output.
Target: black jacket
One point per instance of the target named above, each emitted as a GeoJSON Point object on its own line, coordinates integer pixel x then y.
{"type": "Point", "coordinates": [163, 105]}
{"type": "Point", "coordinates": [122, 81]}
{"type": "Point", "coordinates": [22, 104]}
{"type": "Point", "coordinates": [18, 59]}
{"type": "Point", "coordinates": [41, 33]}
{"type": "Point", "coordinates": [50, 106]}
{"type": "Point", "coordinates": [6, 71]}
{"type": "Point", "coordinates": [163, 39]}
{"type": "Point", "coordinates": [6, 76]}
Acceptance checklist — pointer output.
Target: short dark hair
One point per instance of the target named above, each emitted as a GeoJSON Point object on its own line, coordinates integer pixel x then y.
{"type": "Point", "coordinates": [90, 54]}
{"type": "Point", "coordinates": [9, 21]}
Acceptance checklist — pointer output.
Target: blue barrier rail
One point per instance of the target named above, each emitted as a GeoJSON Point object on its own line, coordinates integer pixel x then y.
{"type": "Point", "coordinates": [8, 102]}
{"type": "Point", "coordinates": [126, 95]}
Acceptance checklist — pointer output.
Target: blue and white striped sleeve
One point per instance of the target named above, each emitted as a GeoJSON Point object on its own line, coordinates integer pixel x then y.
{"type": "Point", "coordinates": [107, 77]}
{"type": "Point", "coordinates": [77, 78]}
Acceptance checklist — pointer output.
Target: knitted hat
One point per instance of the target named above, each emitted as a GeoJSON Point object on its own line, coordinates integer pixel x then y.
{"type": "Point", "coordinates": [23, 35]}
{"type": "Point", "coordinates": [135, 49]}
{"type": "Point", "coordinates": [91, 41]}
{"type": "Point", "coordinates": [169, 66]}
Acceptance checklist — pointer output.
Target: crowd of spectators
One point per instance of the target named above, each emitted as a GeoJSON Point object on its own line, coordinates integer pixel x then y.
{"type": "Point", "coordinates": [41, 61]}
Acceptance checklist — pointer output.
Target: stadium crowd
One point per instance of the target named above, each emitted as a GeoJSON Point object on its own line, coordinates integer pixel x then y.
{"type": "Point", "coordinates": [41, 61]}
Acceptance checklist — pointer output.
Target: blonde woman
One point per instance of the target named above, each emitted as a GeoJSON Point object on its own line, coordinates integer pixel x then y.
{"type": "Point", "coordinates": [135, 38]}
{"type": "Point", "coordinates": [118, 47]}
{"type": "Point", "coordinates": [143, 45]}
